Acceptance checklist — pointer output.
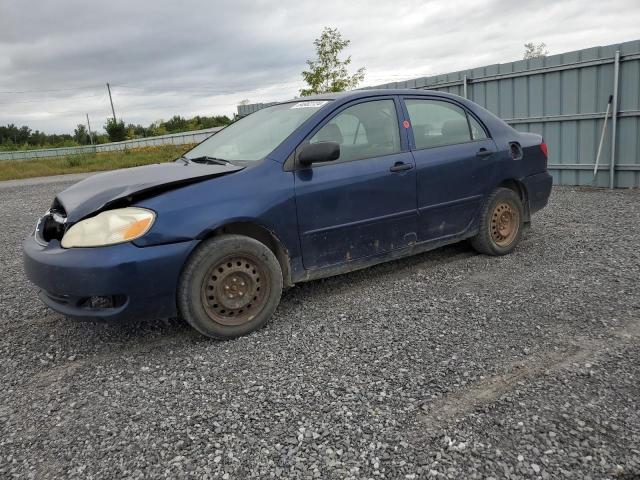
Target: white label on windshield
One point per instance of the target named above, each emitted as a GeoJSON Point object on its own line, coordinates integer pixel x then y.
{"type": "Point", "coordinates": [310, 104]}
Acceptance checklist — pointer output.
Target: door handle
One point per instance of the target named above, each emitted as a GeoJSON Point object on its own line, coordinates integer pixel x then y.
{"type": "Point", "coordinates": [483, 152]}
{"type": "Point", "coordinates": [400, 167]}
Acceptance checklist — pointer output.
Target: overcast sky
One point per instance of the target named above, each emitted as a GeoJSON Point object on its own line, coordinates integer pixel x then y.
{"type": "Point", "coordinates": [203, 57]}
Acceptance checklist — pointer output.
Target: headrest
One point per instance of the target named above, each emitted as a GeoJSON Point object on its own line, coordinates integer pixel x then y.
{"type": "Point", "coordinates": [380, 130]}
{"type": "Point", "coordinates": [330, 133]}
{"type": "Point", "coordinates": [456, 128]}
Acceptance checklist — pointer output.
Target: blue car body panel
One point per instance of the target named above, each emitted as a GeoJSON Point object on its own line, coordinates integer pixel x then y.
{"type": "Point", "coordinates": [340, 217]}
{"type": "Point", "coordinates": [100, 191]}
{"type": "Point", "coordinates": [145, 278]}
{"type": "Point", "coordinates": [324, 220]}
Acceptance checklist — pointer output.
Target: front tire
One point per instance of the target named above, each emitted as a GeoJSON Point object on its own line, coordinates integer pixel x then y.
{"type": "Point", "coordinates": [501, 223]}
{"type": "Point", "coordinates": [229, 287]}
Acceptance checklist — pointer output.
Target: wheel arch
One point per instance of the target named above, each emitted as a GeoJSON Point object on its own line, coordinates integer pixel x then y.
{"type": "Point", "coordinates": [518, 187]}
{"type": "Point", "coordinates": [261, 234]}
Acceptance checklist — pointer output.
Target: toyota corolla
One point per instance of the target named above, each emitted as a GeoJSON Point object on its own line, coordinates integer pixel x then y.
{"type": "Point", "coordinates": [297, 191]}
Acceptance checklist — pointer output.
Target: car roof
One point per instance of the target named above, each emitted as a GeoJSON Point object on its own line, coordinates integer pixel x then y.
{"type": "Point", "coordinates": [354, 94]}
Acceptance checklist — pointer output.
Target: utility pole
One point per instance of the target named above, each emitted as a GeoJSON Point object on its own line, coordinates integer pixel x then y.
{"type": "Point", "coordinates": [111, 100]}
{"type": "Point", "coordinates": [89, 126]}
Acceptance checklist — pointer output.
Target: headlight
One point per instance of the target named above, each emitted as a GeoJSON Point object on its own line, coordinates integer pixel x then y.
{"type": "Point", "coordinates": [106, 228]}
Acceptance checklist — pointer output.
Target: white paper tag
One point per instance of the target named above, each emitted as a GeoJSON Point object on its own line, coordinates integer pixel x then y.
{"type": "Point", "coordinates": [310, 104]}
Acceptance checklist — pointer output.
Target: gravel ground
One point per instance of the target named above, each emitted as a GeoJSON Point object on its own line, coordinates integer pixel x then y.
{"type": "Point", "coordinates": [446, 365]}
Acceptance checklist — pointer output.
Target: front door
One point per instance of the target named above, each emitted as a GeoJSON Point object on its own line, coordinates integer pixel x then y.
{"type": "Point", "coordinates": [454, 165]}
{"type": "Point", "coordinates": [364, 203]}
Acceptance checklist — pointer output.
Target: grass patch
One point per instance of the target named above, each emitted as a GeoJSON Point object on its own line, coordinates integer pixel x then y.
{"type": "Point", "coordinates": [90, 162]}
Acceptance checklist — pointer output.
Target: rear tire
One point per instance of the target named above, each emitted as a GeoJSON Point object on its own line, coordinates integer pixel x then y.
{"type": "Point", "coordinates": [501, 223]}
{"type": "Point", "coordinates": [229, 287]}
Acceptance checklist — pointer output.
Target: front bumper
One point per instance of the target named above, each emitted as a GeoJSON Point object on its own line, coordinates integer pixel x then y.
{"type": "Point", "coordinates": [141, 281]}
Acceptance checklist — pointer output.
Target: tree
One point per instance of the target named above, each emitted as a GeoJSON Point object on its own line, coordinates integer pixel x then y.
{"type": "Point", "coordinates": [327, 73]}
{"type": "Point", "coordinates": [533, 50]}
{"type": "Point", "coordinates": [176, 124]}
{"type": "Point", "coordinates": [80, 134]}
{"type": "Point", "coordinates": [136, 131]}
{"type": "Point", "coordinates": [13, 137]}
{"type": "Point", "coordinates": [157, 128]}
{"type": "Point", "coordinates": [209, 122]}
{"type": "Point", "coordinates": [116, 130]}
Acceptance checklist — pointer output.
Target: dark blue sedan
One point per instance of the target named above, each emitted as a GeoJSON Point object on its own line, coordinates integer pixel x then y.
{"type": "Point", "coordinates": [297, 191]}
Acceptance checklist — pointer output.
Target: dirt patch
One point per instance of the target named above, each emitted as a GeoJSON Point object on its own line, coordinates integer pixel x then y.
{"type": "Point", "coordinates": [579, 350]}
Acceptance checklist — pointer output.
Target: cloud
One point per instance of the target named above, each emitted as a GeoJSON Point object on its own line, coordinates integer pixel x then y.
{"type": "Point", "coordinates": [201, 57]}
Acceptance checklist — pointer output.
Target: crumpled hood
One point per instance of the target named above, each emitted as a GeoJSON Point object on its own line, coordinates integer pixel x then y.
{"type": "Point", "coordinates": [100, 190]}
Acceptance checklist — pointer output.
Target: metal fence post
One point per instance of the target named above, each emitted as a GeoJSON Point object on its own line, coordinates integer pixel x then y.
{"type": "Point", "coordinates": [614, 120]}
{"type": "Point", "coordinates": [464, 86]}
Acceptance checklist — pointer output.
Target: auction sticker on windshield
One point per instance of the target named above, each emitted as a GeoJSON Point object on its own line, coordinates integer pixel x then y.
{"type": "Point", "coordinates": [310, 104]}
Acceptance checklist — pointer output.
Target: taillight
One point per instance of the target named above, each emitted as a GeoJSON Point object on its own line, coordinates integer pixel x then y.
{"type": "Point", "coordinates": [545, 152]}
{"type": "Point", "coordinates": [543, 147]}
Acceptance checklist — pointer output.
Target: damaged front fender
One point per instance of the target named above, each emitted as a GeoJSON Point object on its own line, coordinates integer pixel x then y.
{"type": "Point", "coordinates": [106, 190]}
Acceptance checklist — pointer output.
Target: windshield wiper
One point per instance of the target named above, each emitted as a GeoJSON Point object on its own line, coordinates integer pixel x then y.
{"type": "Point", "coordinates": [209, 160]}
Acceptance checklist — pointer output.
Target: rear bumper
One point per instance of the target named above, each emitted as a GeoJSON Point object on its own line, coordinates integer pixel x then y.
{"type": "Point", "coordinates": [140, 281]}
{"type": "Point", "coordinates": [538, 190]}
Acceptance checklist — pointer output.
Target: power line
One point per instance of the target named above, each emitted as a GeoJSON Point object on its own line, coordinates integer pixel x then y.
{"type": "Point", "coordinates": [51, 90]}
{"type": "Point", "coordinates": [209, 87]}
{"type": "Point", "coordinates": [141, 93]}
{"type": "Point", "coordinates": [145, 91]}
{"type": "Point", "coordinates": [205, 88]}
{"type": "Point", "coordinates": [41, 100]}
{"type": "Point", "coordinates": [202, 88]}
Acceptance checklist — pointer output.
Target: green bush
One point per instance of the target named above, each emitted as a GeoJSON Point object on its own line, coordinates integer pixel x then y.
{"type": "Point", "coordinates": [116, 130]}
{"type": "Point", "coordinates": [73, 161]}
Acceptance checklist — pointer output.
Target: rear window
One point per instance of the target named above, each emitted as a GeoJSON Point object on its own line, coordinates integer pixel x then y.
{"type": "Point", "coordinates": [477, 132]}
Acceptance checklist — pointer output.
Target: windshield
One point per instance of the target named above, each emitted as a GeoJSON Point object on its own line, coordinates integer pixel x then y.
{"type": "Point", "coordinates": [255, 136]}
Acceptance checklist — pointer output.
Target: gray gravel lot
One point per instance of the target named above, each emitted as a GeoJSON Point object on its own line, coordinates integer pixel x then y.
{"type": "Point", "coordinates": [449, 364]}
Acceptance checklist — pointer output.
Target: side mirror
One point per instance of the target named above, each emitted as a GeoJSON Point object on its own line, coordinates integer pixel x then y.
{"type": "Point", "coordinates": [319, 152]}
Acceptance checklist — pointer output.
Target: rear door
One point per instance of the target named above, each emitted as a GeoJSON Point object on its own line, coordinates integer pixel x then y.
{"type": "Point", "coordinates": [364, 203]}
{"type": "Point", "coordinates": [454, 163]}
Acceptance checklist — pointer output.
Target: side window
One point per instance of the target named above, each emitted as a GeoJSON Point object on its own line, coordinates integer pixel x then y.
{"type": "Point", "coordinates": [365, 130]}
{"type": "Point", "coordinates": [437, 123]}
{"type": "Point", "coordinates": [477, 132]}
{"type": "Point", "coordinates": [351, 128]}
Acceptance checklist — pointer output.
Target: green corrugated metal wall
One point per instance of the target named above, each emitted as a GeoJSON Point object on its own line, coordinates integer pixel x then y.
{"type": "Point", "coordinates": [563, 97]}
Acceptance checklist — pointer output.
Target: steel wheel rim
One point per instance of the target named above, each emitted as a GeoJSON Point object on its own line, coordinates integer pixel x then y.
{"type": "Point", "coordinates": [235, 290]}
{"type": "Point", "coordinates": [505, 223]}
